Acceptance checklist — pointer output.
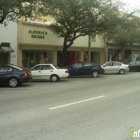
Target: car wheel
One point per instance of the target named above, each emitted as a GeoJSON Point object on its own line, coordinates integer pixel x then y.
{"type": "Point", "coordinates": [121, 71]}
{"type": "Point", "coordinates": [54, 78]}
{"type": "Point", "coordinates": [13, 82]}
{"type": "Point", "coordinates": [95, 74]}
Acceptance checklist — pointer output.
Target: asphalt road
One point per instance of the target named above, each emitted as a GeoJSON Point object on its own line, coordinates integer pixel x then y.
{"type": "Point", "coordinates": [85, 108]}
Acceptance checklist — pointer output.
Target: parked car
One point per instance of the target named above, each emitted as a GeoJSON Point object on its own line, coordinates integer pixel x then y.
{"type": "Point", "coordinates": [48, 72]}
{"type": "Point", "coordinates": [85, 68]}
{"type": "Point", "coordinates": [13, 75]}
{"type": "Point", "coordinates": [134, 66]}
{"type": "Point", "coordinates": [115, 67]}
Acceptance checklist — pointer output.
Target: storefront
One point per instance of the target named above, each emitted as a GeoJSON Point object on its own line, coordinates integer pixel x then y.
{"type": "Point", "coordinates": [119, 56]}
{"type": "Point", "coordinates": [35, 41]}
{"type": "Point", "coordinates": [31, 42]}
{"type": "Point", "coordinates": [33, 57]}
{"type": "Point", "coordinates": [5, 51]}
{"type": "Point", "coordinates": [128, 54]}
{"type": "Point", "coordinates": [132, 55]}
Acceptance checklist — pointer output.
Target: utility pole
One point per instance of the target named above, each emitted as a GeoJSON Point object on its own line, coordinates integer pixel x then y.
{"type": "Point", "coordinates": [89, 46]}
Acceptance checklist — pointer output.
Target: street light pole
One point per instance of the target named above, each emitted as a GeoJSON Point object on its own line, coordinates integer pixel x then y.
{"type": "Point", "coordinates": [89, 46]}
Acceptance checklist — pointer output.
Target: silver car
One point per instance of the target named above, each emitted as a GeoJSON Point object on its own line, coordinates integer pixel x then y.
{"type": "Point", "coordinates": [115, 67]}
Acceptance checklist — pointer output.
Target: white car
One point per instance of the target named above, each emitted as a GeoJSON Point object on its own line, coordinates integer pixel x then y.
{"type": "Point", "coordinates": [48, 72]}
{"type": "Point", "coordinates": [116, 67]}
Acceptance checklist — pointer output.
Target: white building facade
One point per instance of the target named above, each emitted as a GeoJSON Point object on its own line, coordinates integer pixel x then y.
{"type": "Point", "coordinates": [8, 43]}
{"type": "Point", "coordinates": [28, 43]}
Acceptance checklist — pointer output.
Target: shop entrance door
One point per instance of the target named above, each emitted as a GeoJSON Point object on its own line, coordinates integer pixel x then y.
{"type": "Point", "coordinates": [3, 58]}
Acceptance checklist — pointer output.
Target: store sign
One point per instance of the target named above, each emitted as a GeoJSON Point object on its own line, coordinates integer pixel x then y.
{"type": "Point", "coordinates": [37, 34]}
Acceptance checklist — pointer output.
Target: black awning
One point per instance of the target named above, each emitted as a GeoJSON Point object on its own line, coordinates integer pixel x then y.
{"type": "Point", "coordinates": [6, 49]}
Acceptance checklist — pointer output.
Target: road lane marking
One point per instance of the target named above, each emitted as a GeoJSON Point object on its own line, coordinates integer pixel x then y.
{"type": "Point", "coordinates": [86, 100]}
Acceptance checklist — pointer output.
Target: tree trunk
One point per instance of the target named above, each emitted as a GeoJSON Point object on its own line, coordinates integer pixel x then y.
{"type": "Point", "coordinates": [119, 50]}
{"type": "Point", "coordinates": [62, 58]}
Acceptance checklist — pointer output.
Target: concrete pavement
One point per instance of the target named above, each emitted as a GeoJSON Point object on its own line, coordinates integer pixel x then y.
{"type": "Point", "coordinates": [103, 108]}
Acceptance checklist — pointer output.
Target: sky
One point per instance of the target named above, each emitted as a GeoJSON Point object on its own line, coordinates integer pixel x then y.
{"type": "Point", "coordinates": [131, 4]}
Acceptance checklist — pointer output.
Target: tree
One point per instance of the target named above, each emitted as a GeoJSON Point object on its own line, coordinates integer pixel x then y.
{"type": "Point", "coordinates": [76, 18]}
{"type": "Point", "coordinates": [11, 10]}
{"type": "Point", "coordinates": [125, 34]}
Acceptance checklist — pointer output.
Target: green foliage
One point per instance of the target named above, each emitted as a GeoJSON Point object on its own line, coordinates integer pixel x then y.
{"type": "Point", "coordinates": [82, 17]}
{"type": "Point", "coordinates": [125, 34]}
{"type": "Point", "coordinates": [11, 10]}
{"type": "Point", "coordinates": [86, 16]}
{"type": "Point", "coordinates": [76, 18]}
{"type": "Point", "coordinates": [7, 7]}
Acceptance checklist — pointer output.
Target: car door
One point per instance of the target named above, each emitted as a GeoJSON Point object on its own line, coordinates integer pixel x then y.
{"type": "Point", "coordinates": [36, 72]}
{"type": "Point", "coordinates": [116, 67]}
{"type": "Point", "coordinates": [87, 66]}
{"type": "Point", "coordinates": [73, 69]}
{"type": "Point", "coordinates": [132, 66]}
{"type": "Point", "coordinates": [3, 75]}
{"type": "Point", "coordinates": [137, 66]}
{"type": "Point", "coordinates": [47, 71]}
{"type": "Point", "coordinates": [78, 67]}
{"type": "Point", "coordinates": [108, 67]}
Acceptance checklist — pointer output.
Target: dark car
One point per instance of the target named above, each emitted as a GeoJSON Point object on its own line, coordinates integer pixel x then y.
{"type": "Point", "coordinates": [134, 66]}
{"type": "Point", "coordinates": [85, 68]}
{"type": "Point", "coordinates": [13, 76]}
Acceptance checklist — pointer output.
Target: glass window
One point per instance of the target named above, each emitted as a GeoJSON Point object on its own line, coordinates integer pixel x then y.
{"type": "Point", "coordinates": [108, 64]}
{"type": "Point", "coordinates": [10, 69]}
{"type": "Point", "coordinates": [137, 62]}
{"type": "Point", "coordinates": [87, 64]}
{"type": "Point", "coordinates": [3, 68]}
{"type": "Point", "coordinates": [39, 67]}
{"type": "Point", "coordinates": [56, 67]}
{"type": "Point", "coordinates": [117, 64]}
{"type": "Point", "coordinates": [30, 58]}
{"type": "Point", "coordinates": [47, 67]}
{"type": "Point", "coordinates": [77, 65]}
{"type": "Point", "coordinates": [17, 70]}
{"type": "Point", "coordinates": [132, 63]}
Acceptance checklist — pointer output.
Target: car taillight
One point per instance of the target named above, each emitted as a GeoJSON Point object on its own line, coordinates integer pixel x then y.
{"type": "Point", "coordinates": [128, 66]}
{"type": "Point", "coordinates": [26, 73]}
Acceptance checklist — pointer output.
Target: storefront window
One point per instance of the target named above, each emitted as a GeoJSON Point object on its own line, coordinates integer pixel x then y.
{"type": "Point", "coordinates": [111, 54]}
{"type": "Point", "coordinates": [136, 55]}
{"type": "Point", "coordinates": [85, 57]}
{"type": "Point", "coordinates": [33, 57]}
{"type": "Point", "coordinates": [94, 56]}
{"type": "Point", "coordinates": [128, 56]}
{"type": "Point", "coordinates": [71, 58]}
{"type": "Point", "coordinates": [132, 55]}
